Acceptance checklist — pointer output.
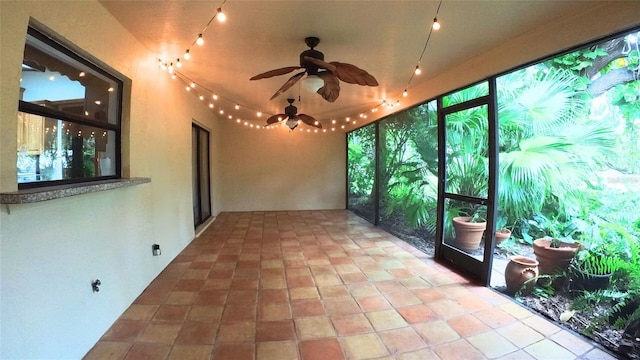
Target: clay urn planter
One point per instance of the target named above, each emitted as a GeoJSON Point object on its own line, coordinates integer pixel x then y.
{"type": "Point", "coordinates": [502, 235]}
{"type": "Point", "coordinates": [520, 274]}
{"type": "Point", "coordinates": [468, 234]}
{"type": "Point", "coordinates": [554, 255]}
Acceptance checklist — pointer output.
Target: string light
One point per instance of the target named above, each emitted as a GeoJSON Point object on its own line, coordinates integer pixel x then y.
{"type": "Point", "coordinates": [186, 55]}
{"type": "Point", "coordinates": [220, 15]}
{"type": "Point", "coordinates": [178, 63]}
{"type": "Point", "coordinates": [436, 24]}
{"type": "Point", "coordinates": [405, 93]}
{"type": "Point", "coordinates": [200, 40]}
{"type": "Point", "coordinates": [417, 71]}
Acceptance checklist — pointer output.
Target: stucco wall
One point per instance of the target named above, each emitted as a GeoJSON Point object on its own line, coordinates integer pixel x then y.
{"type": "Point", "coordinates": [51, 251]}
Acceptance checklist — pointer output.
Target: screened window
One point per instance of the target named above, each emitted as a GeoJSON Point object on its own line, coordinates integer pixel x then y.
{"type": "Point", "coordinates": [69, 117]}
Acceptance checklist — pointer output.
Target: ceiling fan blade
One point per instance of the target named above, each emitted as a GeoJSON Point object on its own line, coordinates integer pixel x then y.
{"type": "Point", "coordinates": [309, 120]}
{"type": "Point", "coordinates": [275, 72]}
{"type": "Point", "coordinates": [352, 74]}
{"type": "Point", "coordinates": [331, 89]}
{"type": "Point", "coordinates": [320, 63]}
{"type": "Point", "coordinates": [276, 118]}
{"type": "Point", "coordinates": [292, 80]}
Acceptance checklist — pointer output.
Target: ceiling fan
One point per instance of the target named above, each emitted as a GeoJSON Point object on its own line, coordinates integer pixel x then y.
{"type": "Point", "coordinates": [292, 117]}
{"type": "Point", "coordinates": [325, 73]}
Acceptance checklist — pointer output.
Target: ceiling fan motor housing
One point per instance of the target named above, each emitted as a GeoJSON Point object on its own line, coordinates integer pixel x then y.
{"type": "Point", "coordinates": [291, 111]}
{"type": "Point", "coordinates": [312, 69]}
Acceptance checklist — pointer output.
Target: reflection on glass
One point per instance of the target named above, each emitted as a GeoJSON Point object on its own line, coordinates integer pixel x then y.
{"type": "Point", "coordinates": [52, 149]}
{"type": "Point", "coordinates": [361, 170]}
{"type": "Point", "coordinates": [57, 81]}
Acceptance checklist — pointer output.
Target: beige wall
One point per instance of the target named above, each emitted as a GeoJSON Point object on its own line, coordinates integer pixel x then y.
{"type": "Point", "coordinates": [281, 170]}
{"type": "Point", "coordinates": [51, 251]}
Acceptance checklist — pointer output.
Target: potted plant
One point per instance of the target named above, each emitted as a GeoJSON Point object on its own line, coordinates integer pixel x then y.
{"type": "Point", "coordinates": [591, 271]}
{"type": "Point", "coordinates": [554, 254]}
{"type": "Point", "coordinates": [468, 232]}
{"type": "Point", "coordinates": [502, 234]}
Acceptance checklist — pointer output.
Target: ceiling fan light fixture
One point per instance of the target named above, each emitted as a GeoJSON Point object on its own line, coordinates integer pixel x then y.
{"type": "Point", "coordinates": [312, 83]}
{"type": "Point", "coordinates": [292, 124]}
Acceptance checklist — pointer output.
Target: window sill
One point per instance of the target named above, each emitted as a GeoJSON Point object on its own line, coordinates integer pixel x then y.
{"type": "Point", "coordinates": [57, 192]}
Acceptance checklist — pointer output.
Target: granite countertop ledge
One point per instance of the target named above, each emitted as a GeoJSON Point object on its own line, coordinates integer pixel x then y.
{"type": "Point", "coordinates": [35, 195]}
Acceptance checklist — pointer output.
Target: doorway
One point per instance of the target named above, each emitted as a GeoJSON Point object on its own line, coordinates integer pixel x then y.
{"type": "Point", "coordinates": [200, 174]}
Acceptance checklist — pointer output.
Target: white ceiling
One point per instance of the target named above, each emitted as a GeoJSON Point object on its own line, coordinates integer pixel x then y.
{"type": "Point", "coordinates": [385, 38]}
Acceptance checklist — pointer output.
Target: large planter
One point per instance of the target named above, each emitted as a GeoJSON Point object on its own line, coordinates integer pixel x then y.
{"type": "Point", "coordinates": [468, 234]}
{"type": "Point", "coordinates": [589, 282]}
{"type": "Point", "coordinates": [554, 260]}
{"type": "Point", "coordinates": [520, 274]}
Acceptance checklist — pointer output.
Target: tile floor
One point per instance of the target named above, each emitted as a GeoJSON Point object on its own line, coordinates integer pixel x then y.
{"type": "Point", "coordinates": [323, 285]}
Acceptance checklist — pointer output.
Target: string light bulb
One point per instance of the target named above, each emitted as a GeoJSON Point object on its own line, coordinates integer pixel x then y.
{"type": "Point", "coordinates": [193, 85]}
{"type": "Point", "coordinates": [178, 63]}
{"type": "Point", "coordinates": [405, 93]}
{"type": "Point", "coordinates": [418, 71]}
{"type": "Point", "coordinates": [436, 24]}
{"type": "Point", "coordinates": [170, 68]}
{"type": "Point", "coordinates": [200, 40]}
{"type": "Point", "coordinates": [186, 55]}
{"type": "Point", "coordinates": [220, 15]}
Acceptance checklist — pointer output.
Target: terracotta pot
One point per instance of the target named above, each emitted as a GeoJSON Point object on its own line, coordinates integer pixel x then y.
{"type": "Point", "coordinates": [468, 234]}
{"type": "Point", "coordinates": [502, 235]}
{"type": "Point", "coordinates": [554, 260]}
{"type": "Point", "coordinates": [519, 272]}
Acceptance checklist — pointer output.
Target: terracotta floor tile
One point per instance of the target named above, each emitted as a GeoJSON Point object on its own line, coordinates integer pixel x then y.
{"type": "Point", "coordinates": [273, 282]}
{"type": "Point", "coordinates": [275, 331]}
{"type": "Point", "coordinates": [492, 344]}
{"type": "Point", "coordinates": [322, 349]}
{"type": "Point", "coordinates": [436, 332]}
{"type": "Point", "coordinates": [571, 342]}
{"type": "Point", "coordinates": [307, 308]}
{"type": "Point", "coordinates": [428, 295]}
{"type": "Point", "coordinates": [457, 350]}
{"type": "Point", "coordinates": [373, 303]}
{"type": "Point", "coordinates": [139, 312]}
{"type": "Point", "coordinates": [124, 330]}
{"type": "Point", "coordinates": [108, 350]}
{"type": "Point", "coordinates": [191, 352]}
{"type": "Point", "coordinates": [274, 311]}
{"type": "Point", "coordinates": [466, 325]}
{"type": "Point", "coordinates": [547, 349]}
{"type": "Point", "coordinates": [423, 354]}
{"type": "Point", "coordinates": [216, 284]}
{"type": "Point", "coordinates": [446, 308]}
{"type": "Point", "coordinates": [515, 310]}
{"type": "Point", "coordinates": [314, 327]}
{"type": "Point", "coordinates": [242, 297]}
{"type": "Point", "coordinates": [234, 351]}
{"type": "Point", "coordinates": [244, 284]}
{"type": "Point", "coordinates": [159, 333]}
{"type": "Point", "coordinates": [304, 293]}
{"type": "Point", "coordinates": [473, 302]}
{"type": "Point", "coordinates": [341, 306]}
{"type": "Point", "coordinates": [541, 325]}
{"type": "Point", "coordinates": [273, 296]}
{"type": "Point", "coordinates": [353, 278]}
{"type": "Point", "coordinates": [494, 317]}
{"type": "Point", "coordinates": [386, 320]}
{"type": "Point", "coordinates": [140, 351]}
{"type": "Point", "coordinates": [236, 332]}
{"type": "Point", "coordinates": [416, 313]}
{"type": "Point", "coordinates": [365, 346]}
{"type": "Point", "coordinates": [234, 313]}
{"type": "Point", "coordinates": [277, 350]}
{"type": "Point", "coordinates": [205, 313]}
{"type": "Point", "coordinates": [327, 279]}
{"type": "Point", "coordinates": [402, 299]}
{"type": "Point", "coordinates": [171, 313]}
{"type": "Point", "coordinates": [197, 333]}
{"type": "Point", "coordinates": [298, 272]}
{"type": "Point", "coordinates": [336, 291]}
{"type": "Point", "coordinates": [351, 324]}
{"type": "Point", "coordinates": [520, 334]}
{"type": "Point", "coordinates": [300, 281]}
{"type": "Point", "coordinates": [152, 297]}
{"type": "Point", "coordinates": [402, 340]}
{"type": "Point", "coordinates": [597, 354]}
{"type": "Point", "coordinates": [211, 297]}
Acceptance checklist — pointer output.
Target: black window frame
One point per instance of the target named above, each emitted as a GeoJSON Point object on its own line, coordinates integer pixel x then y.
{"type": "Point", "coordinates": [31, 108]}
